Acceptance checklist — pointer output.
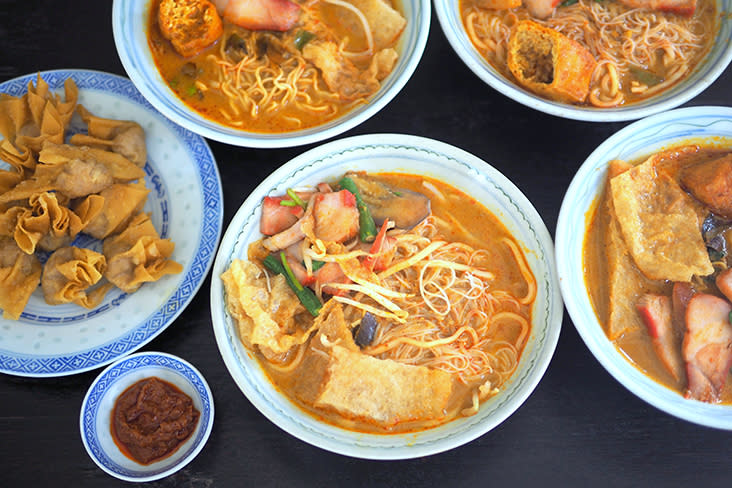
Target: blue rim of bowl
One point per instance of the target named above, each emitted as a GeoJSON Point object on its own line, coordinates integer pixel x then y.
{"type": "Point", "coordinates": [431, 441]}
{"type": "Point", "coordinates": [118, 370]}
{"type": "Point", "coordinates": [212, 223]}
{"type": "Point", "coordinates": [636, 140]}
{"type": "Point", "coordinates": [126, 15]}
{"type": "Point", "coordinates": [714, 64]}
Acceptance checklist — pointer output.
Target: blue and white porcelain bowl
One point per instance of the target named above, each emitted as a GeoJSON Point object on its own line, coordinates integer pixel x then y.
{"type": "Point", "coordinates": [716, 61]}
{"type": "Point", "coordinates": [712, 125]}
{"type": "Point", "coordinates": [130, 20]}
{"type": "Point", "coordinates": [411, 155]}
{"type": "Point", "coordinates": [96, 410]}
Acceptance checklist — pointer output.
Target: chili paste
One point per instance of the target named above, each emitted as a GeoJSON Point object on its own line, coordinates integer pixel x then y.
{"type": "Point", "coordinates": [151, 419]}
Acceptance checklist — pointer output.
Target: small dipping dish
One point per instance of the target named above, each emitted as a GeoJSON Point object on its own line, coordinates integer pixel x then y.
{"type": "Point", "coordinates": [99, 402]}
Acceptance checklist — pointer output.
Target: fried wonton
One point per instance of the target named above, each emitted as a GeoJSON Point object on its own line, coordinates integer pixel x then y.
{"type": "Point", "coordinates": [660, 224]}
{"type": "Point", "coordinates": [266, 317]}
{"type": "Point", "coordinates": [109, 211]}
{"type": "Point", "coordinates": [20, 274]}
{"type": "Point", "coordinates": [123, 137]}
{"type": "Point", "coordinates": [22, 161]}
{"type": "Point", "coordinates": [68, 275]}
{"type": "Point", "coordinates": [45, 224]}
{"type": "Point", "coordinates": [138, 255]}
{"type": "Point", "coordinates": [383, 391]}
{"type": "Point", "coordinates": [13, 115]}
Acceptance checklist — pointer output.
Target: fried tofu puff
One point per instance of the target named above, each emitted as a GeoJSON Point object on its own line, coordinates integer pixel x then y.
{"type": "Point", "coordinates": [190, 25]}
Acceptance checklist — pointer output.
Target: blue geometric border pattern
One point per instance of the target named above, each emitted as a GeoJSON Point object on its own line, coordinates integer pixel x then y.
{"type": "Point", "coordinates": [96, 394]}
{"type": "Point", "coordinates": [212, 221]}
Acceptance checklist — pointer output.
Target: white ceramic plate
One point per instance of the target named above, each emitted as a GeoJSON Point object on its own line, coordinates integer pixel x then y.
{"type": "Point", "coordinates": [129, 23]}
{"type": "Point", "coordinates": [706, 124]}
{"type": "Point", "coordinates": [186, 206]}
{"type": "Point", "coordinates": [415, 155]}
{"type": "Point", "coordinates": [96, 411]}
{"type": "Point", "coordinates": [717, 60]}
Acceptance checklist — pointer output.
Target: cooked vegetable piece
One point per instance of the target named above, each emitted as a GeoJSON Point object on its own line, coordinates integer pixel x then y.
{"type": "Point", "coordinates": [302, 38]}
{"type": "Point", "coordinates": [295, 198]}
{"type": "Point", "coordinates": [404, 207]}
{"type": "Point", "coordinates": [366, 331]}
{"type": "Point", "coordinates": [305, 295]}
{"type": "Point", "coordinates": [367, 227]}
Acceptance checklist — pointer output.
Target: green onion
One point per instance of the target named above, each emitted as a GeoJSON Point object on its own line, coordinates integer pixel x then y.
{"type": "Point", "coordinates": [567, 3]}
{"type": "Point", "coordinates": [288, 203]}
{"type": "Point", "coordinates": [291, 193]}
{"type": "Point", "coordinates": [191, 90]}
{"type": "Point", "coordinates": [289, 274]}
{"type": "Point", "coordinates": [174, 82]}
{"type": "Point", "coordinates": [730, 318]}
{"type": "Point", "coordinates": [302, 38]}
{"type": "Point", "coordinates": [367, 227]}
{"type": "Point", "coordinates": [305, 295]}
{"type": "Point", "coordinates": [645, 76]}
{"type": "Point", "coordinates": [316, 265]}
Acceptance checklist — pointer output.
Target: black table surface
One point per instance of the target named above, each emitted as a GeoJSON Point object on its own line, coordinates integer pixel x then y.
{"type": "Point", "coordinates": [579, 427]}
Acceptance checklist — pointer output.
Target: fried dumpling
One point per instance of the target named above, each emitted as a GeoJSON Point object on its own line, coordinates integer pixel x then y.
{"type": "Point", "coordinates": [14, 115]}
{"type": "Point", "coordinates": [23, 161]}
{"type": "Point", "coordinates": [123, 137]}
{"type": "Point", "coordinates": [70, 272]}
{"type": "Point", "coordinates": [138, 255]}
{"type": "Point", "coordinates": [45, 224]}
{"type": "Point", "coordinates": [109, 212]}
{"type": "Point", "coordinates": [20, 274]}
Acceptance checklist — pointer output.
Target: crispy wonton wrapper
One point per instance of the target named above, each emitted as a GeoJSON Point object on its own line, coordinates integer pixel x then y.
{"type": "Point", "coordinates": [264, 318]}
{"type": "Point", "coordinates": [138, 255]}
{"type": "Point", "coordinates": [20, 274]}
{"type": "Point", "coordinates": [45, 224]}
{"type": "Point", "coordinates": [123, 137]}
{"type": "Point", "coordinates": [109, 211]}
{"type": "Point", "coordinates": [69, 273]}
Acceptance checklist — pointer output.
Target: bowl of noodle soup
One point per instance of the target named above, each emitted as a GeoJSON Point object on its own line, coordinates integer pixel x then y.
{"type": "Point", "coordinates": [524, 243]}
{"type": "Point", "coordinates": [262, 88]}
{"type": "Point", "coordinates": [642, 61]}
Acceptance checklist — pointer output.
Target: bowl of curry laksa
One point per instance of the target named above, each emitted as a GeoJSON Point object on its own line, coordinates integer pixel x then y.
{"type": "Point", "coordinates": [386, 297]}
{"type": "Point", "coordinates": [270, 73]}
{"type": "Point", "coordinates": [649, 286]}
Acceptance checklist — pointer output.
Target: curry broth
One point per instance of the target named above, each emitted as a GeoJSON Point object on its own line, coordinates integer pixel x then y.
{"type": "Point", "coordinates": [466, 211]}
{"type": "Point", "coordinates": [634, 345]}
{"type": "Point", "coordinates": [207, 103]}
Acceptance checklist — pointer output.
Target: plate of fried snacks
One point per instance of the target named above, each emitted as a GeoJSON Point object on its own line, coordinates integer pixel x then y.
{"type": "Point", "coordinates": [109, 218]}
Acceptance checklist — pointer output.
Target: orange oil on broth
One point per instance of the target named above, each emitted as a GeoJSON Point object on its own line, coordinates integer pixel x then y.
{"type": "Point", "coordinates": [467, 211]}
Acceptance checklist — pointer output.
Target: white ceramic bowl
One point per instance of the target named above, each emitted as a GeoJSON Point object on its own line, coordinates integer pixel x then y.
{"type": "Point", "coordinates": [96, 410]}
{"type": "Point", "coordinates": [706, 72]}
{"type": "Point", "coordinates": [415, 155]}
{"type": "Point", "coordinates": [130, 20]}
{"type": "Point", "coordinates": [710, 124]}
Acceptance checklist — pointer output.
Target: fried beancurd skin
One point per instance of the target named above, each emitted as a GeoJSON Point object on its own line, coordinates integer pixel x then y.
{"type": "Point", "coordinates": [190, 25]}
{"type": "Point", "coordinates": [549, 63]}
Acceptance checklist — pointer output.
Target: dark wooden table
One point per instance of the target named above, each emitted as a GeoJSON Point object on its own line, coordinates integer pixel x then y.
{"type": "Point", "coordinates": [579, 427]}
